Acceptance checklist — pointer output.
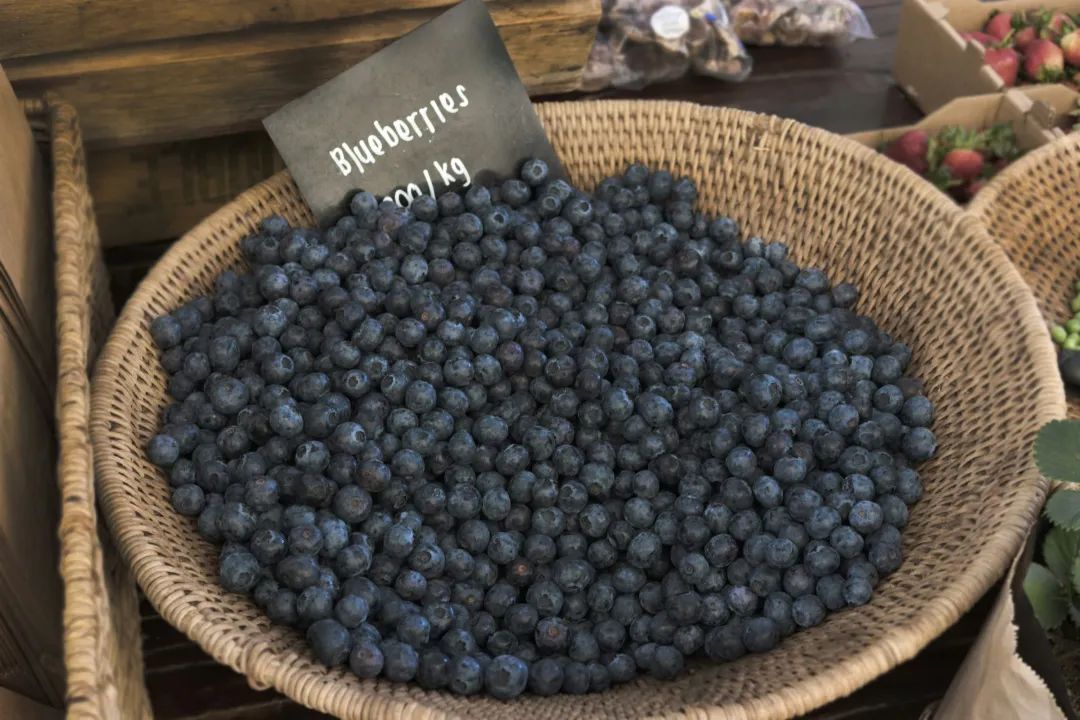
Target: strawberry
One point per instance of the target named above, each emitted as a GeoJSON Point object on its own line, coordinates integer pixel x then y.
{"type": "Point", "coordinates": [973, 187]}
{"type": "Point", "coordinates": [1025, 36]}
{"type": "Point", "coordinates": [1005, 62]}
{"type": "Point", "coordinates": [1044, 61]}
{"type": "Point", "coordinates": [1070, 48]}
{"type": "Point", "coordinates": [980, 37]}
{"type": "Point", "coordinates": [999, 25]}
{"type": "Point", "coordinates": [1057, 24]}
{"type": "Point", "coordinates": [963, 163]}
{"type": "Point", "coordinates": [910, 149]}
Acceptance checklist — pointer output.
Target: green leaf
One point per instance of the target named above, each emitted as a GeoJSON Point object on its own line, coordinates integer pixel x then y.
{"type": "Point", "coordinates": [1074, 614]}
{"type": "Point", "coordinates": [1057, 450]}
{"type": "Point", "coordinates": [1063, 509]}
{"type": "Point", "coordinates": [1076, 575]}
{"type": "Point", "coordinates": [1000, 141]}
{"type": "Point", "coordinates": [1047, 596]}
{"type": "Point", "coordinates": [1061, 550]}
{"type": "Point", "coordinates": [941, 178]}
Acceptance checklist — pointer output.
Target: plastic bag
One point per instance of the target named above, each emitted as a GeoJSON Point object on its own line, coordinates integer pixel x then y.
{"type": "Point", "coordinates": [641, 42]}
{"type": "Point", "coordinates": [799, 22]}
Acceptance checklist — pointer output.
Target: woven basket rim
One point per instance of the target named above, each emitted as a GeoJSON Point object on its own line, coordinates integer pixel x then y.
{"type": "Point", "coordinates": [986, 566]}
{"type": "Point", "coordinates": [980, 206]}
{"type": "Point", "coordinates": [1045, 249]}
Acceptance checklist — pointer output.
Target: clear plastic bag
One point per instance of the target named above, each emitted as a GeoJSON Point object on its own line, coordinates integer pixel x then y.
{"type": "Point", "coordinates": [799, 22]}
{"type": "Point", "coordinates": [641, 42]}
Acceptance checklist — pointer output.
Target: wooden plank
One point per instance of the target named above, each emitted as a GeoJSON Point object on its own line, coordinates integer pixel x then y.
{"type": "Point", "coordinates": [212, 85]}
{"type": "Point", "coordinates": [52, 26]}
{"type": "Point", "coordinates": [160, 191]}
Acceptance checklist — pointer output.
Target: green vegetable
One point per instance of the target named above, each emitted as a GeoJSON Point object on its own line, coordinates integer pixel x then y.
{"type": "Point", "coordinates": [1053, 583]}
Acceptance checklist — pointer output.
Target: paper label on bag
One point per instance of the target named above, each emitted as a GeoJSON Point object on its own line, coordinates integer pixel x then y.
{"type": "Point", "coordinates": [670, 22]}
{"type": "Point", "coordinates": [439, 109]}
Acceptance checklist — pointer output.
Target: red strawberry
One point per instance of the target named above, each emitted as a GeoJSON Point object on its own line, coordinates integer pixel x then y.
{"type": "Point", "coordinates": [1057, 24]}
{"type": "Point", "coordinates": [1070, 48]}
{"type": "Point", "coordinates": [980, 37]}
{"type": "Point", "coordinates": [1025, 36]}
{"type": "Point", "coordinates": [974, 187]}
{"type": "Point", "coordinates": [963, 163]}
{"type": "Point", "coordinates": [910, 149]}
{"type": "Point", "coordinates": [999, 25]}
{"type": "Point", "coordinates": [1005, 62]}
{"type": "Point", "coordinates": [1044, 61]}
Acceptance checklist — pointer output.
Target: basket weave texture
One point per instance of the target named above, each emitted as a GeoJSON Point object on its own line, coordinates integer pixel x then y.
{"type": "Point", "coordinates": [1033, 211]}
{"type": "Point", "coordinates": [927, 270]}
{"type": "Point", "coordinates": [102, 646]}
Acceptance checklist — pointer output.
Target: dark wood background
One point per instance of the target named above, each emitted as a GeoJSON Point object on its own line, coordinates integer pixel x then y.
{"type": "Point", "coordinates": [842, 90]}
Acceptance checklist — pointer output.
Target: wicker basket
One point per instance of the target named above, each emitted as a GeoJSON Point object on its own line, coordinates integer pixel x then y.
{"type": "Point", "coordinates": [102, 646]}
{"type": "Point", "coordinates": [930, 275]}
{"type": "Point", "coordinates": [1033, 210]}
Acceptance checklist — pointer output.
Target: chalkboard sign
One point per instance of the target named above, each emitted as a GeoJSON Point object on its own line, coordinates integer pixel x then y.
{"type": "Point", "coordinates": [439, 109]}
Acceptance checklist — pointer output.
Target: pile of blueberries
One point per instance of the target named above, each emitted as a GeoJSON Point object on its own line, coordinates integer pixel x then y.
{"type": "Point", "coordinates": [526, 438]}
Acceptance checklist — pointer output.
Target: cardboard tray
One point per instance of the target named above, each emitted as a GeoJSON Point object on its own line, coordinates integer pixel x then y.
{"type": "Point", "coordinates": [1038, 115]}
{"type": "Point", "coordinates": [935, 65]}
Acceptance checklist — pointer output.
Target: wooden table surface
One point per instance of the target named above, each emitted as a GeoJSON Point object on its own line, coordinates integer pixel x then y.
{"type": "Point", "coordinates": [842, 90]}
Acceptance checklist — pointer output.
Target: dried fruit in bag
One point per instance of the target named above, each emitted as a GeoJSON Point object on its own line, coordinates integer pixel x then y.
{"type": "Point", "coordinates": [799, 22]}
{"type": "Point", "coordinates": [641, 42]}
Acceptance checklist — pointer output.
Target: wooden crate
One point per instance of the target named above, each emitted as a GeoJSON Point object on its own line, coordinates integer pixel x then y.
{"type": "Point", "coordinates": [159, 70]}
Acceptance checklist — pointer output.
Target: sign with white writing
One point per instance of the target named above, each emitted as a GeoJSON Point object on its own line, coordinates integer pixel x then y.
{"type": "Point", "coordinates": [439, 109]}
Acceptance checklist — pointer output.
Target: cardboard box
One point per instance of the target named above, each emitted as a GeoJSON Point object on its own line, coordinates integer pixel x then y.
{"type": "Point", "coordinates": [1038, 114]}
{"type": "Point", "coordinates": [31, 657]}
{"type": "Point", "coordinates": [17, 706]}
{"type": "Point", "coordinates": [935, 65]}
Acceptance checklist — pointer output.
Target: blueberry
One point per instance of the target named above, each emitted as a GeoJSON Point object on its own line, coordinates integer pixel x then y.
{"type": "Point", "coordinates": [330, 641]}
{"type": "Point", "coordinates": [781, 553]}
{"type": "Point", "coordinates": [830, 589]}
{"type": "Point", "coordinates": [546, 676]}
{"type": "Point", "coordinates": [919, 444]}
{"type": "Point", "coordinates": [414, 629]}
{"type": "Point", "coordinates": [760, 634]}
{"type": "Point", "coordinates": [239, 572]}
{"type": "Point", "coordinates": [808, 611]}
{"type": "Point", "coordinates": [351, 610]}
{"type": "Point", "coordinates": [314, 603]}
{"type": "Point", "coordinates": [857, 591]}
{"type": "Point", "coordinates": [466, 676]}
{"type": "Point", "coordinates": [189, 500]}
{"type": "Point", "coordinates": [400, 661]}
{"type": "Point", "coordinates": [166, 332]}
{"type": "Point", "coordinates": [552, 634]}
{"type": "Point", "coordinates": [865, 516]}
{"type": "Point", "coordinates": [163, 450]}
{"type": "Point", "coordinates": [297, 571]}
{"type": "Point", "coordinates": [667, 662]}
{"type": "Point", "coordinates": [505, 677]}
{"type": "Point", "coordinates": [886, 557]}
